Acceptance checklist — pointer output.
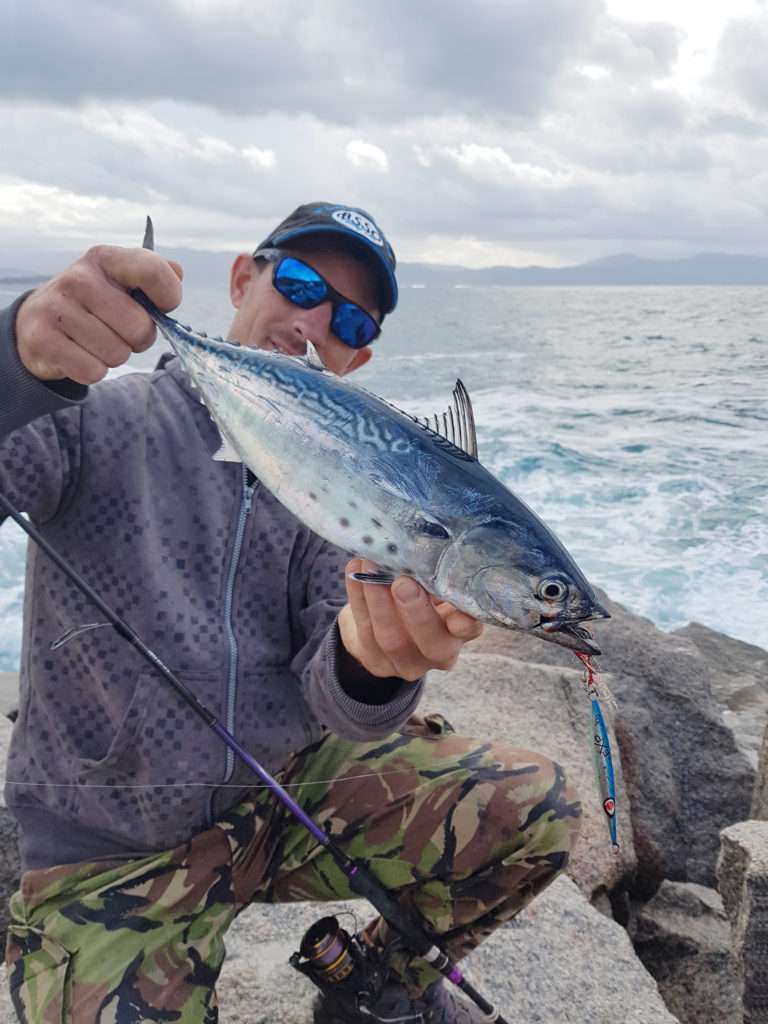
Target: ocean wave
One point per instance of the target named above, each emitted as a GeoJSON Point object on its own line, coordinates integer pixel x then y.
{"type": "Point", "coordinates": [631, 420]}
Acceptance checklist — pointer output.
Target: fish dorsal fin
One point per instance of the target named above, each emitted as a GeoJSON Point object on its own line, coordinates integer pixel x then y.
{"type": "Point", "coordinates": [312, 357]}
{"type": "Point", "coordinates": [149, 235]}
{"type": "Point", "coordinates": [457, 424]}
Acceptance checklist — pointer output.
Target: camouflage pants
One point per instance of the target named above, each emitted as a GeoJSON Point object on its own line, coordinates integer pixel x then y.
{"type": "Point", "coordinates": [467, 832]}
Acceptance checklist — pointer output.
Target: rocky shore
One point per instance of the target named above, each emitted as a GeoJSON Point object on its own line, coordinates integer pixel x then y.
{"type": "Point", "coordinates": [670, 928]}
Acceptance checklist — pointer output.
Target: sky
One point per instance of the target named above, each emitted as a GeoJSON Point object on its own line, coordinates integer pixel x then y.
{"type": "Point", "coordinates": [481, 133]}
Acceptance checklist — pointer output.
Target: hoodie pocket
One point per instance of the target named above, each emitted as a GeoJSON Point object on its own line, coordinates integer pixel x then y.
{"type": "Point", "coordinates": [152, 786]}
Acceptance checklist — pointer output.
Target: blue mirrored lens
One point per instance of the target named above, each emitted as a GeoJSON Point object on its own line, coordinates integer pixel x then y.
{"type": "Point", "coordinates": [299, 283]}
{"type": "Point", "coordinates": [353, 325]}
{"type": "Point", "coordinates": [303, 286]}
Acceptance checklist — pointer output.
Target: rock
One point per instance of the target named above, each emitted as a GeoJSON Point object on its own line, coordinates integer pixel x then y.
{"type": "Point", "coordinates": [739, 682]}
{"type": "Point", "coordinates": [667, 715]}
{"type": "Point", "coordinates": [559, 962]}
{"type": "Point", "coordinates": [743, 875]}
{"type": "Point", "coordinates": [684, 939]}
{"type": "Point", "coordinates": [9, 692]}
{"type": "Point", "coordinates": [545, 709]}
{"type": "Point", "coordinates": [759, 810]}
{"type": "Point", "coordinates": [10, 864]}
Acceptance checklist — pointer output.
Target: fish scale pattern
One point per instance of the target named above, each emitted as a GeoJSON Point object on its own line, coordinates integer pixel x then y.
{"type": "Point", "coordinates": [126, 489]}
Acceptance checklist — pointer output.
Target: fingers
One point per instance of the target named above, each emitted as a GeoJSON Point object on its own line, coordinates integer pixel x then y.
{"type": "Point", "coordinates": [458, 623]}
{"type": "Point", "coordinates": [425, 627]}
{"type": "Point", "coordinates": [85, 311]}
{"type": "Point", "coordinates": [358, 605]}
{"type": "Point", "coordinates": [462, 626]}
{"type": "Point", "coordinates": [179, 272]}
{"type": "Point", "coordinates": [400, 631]}
{"type": "Point", "coordinates": [141, 268]}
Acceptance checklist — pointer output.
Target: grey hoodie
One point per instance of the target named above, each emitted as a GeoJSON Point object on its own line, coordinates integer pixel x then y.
{"type": "Point", "coordinates": [228, 587]}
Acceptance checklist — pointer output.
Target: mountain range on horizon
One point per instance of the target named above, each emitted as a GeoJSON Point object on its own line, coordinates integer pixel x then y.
{"type": "Point", "coordinates": [621, 269]}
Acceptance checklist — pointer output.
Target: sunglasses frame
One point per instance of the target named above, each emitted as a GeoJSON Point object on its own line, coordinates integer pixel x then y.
{"type": "Point", "coordinates": [278, 256]}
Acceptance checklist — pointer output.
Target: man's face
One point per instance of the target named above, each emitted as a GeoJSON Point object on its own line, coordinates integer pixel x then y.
{"type": "Point", "coordinates": [265, 319]}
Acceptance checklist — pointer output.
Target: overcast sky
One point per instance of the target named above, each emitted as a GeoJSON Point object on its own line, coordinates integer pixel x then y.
{"type": "Point", "coordinates": [482, 132]}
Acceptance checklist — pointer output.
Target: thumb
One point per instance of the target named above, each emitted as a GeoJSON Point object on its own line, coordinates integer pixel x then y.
{"type": "Point", "coordinates": [177, 269]}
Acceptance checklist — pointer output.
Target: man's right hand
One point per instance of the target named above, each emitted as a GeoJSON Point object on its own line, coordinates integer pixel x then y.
{"type": "Point", "coordinates": [82, 321]}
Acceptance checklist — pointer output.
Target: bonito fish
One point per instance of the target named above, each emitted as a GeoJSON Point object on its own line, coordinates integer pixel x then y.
{"type": "Point", "coordinates": [409, 495]}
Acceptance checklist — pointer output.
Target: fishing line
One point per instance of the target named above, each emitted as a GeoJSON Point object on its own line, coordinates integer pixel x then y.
{"type": "Point", "coordinates": [210, 785]}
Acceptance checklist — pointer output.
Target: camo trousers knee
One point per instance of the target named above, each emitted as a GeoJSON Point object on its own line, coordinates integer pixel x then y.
{"type": "Point", "coordinates": [465, 832]}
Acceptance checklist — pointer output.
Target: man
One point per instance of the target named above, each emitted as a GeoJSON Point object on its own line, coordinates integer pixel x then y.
{"type": "Point", "coordinates": [141, 836]}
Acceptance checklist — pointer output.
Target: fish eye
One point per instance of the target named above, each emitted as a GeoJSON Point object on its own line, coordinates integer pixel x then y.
{"type": "Point", "coordinates": [552, 589]}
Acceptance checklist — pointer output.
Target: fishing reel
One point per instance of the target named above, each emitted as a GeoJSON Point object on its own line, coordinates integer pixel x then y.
{"type": "Point", "coordinates": [336, 961]}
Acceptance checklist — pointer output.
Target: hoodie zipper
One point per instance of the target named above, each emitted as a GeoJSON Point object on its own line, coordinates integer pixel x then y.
{"type": "Point", "coordinates": [245, 510]}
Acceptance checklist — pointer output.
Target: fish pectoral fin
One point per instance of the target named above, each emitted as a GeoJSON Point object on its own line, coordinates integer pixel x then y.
{"type": "Point", "coordinates": [227, 451]}
{"type": "Point", "coordinates": [383, 577]}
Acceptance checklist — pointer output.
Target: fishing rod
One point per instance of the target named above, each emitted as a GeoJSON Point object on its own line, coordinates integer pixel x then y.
{"type": "Point", "coordinates": [330, 956]}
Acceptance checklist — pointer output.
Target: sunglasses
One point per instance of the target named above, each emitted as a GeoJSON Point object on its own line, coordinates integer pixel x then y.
{"type": "Point", "coordinates": [304, 287]}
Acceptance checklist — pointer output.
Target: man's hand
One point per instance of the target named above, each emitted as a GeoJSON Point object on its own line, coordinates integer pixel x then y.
{"type": "Point", "coordinates": [400, 630]}
{"type": "Point", "coordinates": [82, 322]}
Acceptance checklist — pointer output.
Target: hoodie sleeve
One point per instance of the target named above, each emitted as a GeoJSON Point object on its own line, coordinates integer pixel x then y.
{"type": "Point", "coordinates": [25, 398]}
{"type": "Point", "coordinates": [39, 430]}
{"type": "Point", "coordinates": [333, 697]}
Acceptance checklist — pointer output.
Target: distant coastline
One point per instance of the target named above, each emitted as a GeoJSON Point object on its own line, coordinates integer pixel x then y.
{"type": "Point", "coordinates": [623, 269]}
{"type": "Point", "coordinates": [23, 279]}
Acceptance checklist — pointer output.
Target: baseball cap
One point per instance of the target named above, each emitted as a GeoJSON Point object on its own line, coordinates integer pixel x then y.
{"type": "Point", "coordinates": [351, 223]}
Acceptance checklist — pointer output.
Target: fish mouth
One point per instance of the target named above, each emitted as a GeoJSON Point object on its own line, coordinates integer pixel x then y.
{"type": "Point", "coordinates": [286, 348]}
{"type": "Point", "coordinates": [568, 634]}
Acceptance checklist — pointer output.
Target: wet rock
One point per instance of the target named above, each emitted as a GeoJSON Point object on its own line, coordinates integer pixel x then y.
{"type": "Point", "coordinates": [683, 937]}
{"type": "Point", "coordinates": [743, 877]}
{"type": "Point", "coordinates": [559, 961]}
{"type": "Point", "coordinates": [759, 810]}
{"type": "Point", "coordinates": [667, 714]}
{"type": "Point", "coordinates": [739, 680]}
{"type": "Point", "coordinates": [542, 708]}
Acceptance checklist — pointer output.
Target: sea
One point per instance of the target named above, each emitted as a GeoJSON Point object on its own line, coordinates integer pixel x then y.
{"type": "Point", "coordinates": [633, 420]}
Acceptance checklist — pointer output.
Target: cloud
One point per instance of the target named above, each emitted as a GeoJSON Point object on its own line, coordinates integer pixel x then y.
{"type": "Point", "coordinates": [500, 128]}
{"type": "Point", "coordinates": [261, 159]}
{"type": "Point", "coordinates": [741, 66]}
{"type": "Point", "coordinates": [637, 50]}
{"type": "Point", "coordinates": [366, 155]}
{"type": "Point", "coordinates": [345, 62]}
{"type": "Point", "coordinates": [494, 164]}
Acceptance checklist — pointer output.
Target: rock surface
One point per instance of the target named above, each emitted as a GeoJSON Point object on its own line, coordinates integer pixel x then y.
{"type": "Point", "coordinates": [9, 692]}
{"type": "Point", "coordinates": [559, 962]}
{"type": "Point", "coordinates": [759, 809]}
{"type": "Point", "coordinates": [739, 680]}
{"type": "Point", "coordinates": [743, 875]}
{"type": "Point", "coordinates": [683, 937]}
{"type": "Point", "coordinates": [667, 715]}
{"type": "Point", "coordinates": [542, 708]}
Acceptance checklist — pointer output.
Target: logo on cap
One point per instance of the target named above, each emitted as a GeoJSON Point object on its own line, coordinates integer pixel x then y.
{"type": "Point", "coordinates": [357, 222]}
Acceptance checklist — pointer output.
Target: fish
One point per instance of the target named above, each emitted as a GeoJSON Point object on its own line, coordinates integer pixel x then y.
{"type": "Point", "coordinates": [407, 494]}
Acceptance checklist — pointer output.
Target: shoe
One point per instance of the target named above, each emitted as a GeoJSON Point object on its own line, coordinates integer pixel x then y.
{"type": "Point", "coordinates": [442, 1003]}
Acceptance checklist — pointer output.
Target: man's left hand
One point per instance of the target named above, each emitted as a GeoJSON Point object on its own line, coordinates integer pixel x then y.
{"type": "Point", "coordinates": [401, 630]}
